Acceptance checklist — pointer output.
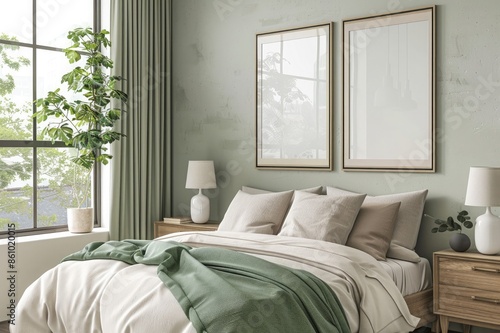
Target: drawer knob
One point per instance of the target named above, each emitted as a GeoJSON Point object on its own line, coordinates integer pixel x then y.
{"type": "Point", "coordinates": [485, 299]}
{"type": "Point", "coordinates": [485, 269]}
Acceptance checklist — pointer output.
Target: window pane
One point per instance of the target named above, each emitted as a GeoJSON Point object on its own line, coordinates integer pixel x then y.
{"type": "Point", "coordinates": [16, 191]}
{"type": "Point", "coordinates": [61, 184]}
{"type": "Point", "coordinates": [16, 93]}
{"type": "Point", "coordinates": [38, 181]}
{"type": "Point", "coordinates": [51, 66]}
{"type": "Point", "coordinates": [55, 18]}
{"type": "Point", "coordinates": [16, 20]}
{"type": "Point", "coordinates": [106, 21]}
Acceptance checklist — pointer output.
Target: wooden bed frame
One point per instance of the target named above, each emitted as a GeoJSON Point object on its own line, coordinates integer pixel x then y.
{"type": "Point", "coordinates": [420, 305]}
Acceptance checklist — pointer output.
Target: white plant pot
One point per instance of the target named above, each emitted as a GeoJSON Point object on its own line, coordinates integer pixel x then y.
{"type": "Point", "coordinates": [80, 220]}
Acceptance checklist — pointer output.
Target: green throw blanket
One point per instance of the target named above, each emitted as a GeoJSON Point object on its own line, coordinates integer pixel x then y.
{"type": "Point", "coordinates": [227, 291]}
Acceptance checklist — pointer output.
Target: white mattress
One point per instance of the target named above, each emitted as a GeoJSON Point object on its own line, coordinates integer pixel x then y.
{"type": "Point", "coordinates": [409, 277]}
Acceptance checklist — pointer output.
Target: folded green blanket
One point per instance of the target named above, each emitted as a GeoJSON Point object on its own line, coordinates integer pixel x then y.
{"type": "Point", "coordinates": [226, 291]}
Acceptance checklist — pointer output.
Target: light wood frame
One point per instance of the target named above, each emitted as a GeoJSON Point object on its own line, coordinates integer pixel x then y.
{"type": "Point", "coordinates": [294, 99]}
{"type": "Point", "coordinates": [389, 92]}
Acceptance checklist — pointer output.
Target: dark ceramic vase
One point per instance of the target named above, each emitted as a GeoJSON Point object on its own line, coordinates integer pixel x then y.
{"type": "Point", "coordinates": [460, 242]}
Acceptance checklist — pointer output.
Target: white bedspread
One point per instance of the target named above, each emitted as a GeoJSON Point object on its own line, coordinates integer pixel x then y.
{"type": "Point", "coordinates": [113, 297]}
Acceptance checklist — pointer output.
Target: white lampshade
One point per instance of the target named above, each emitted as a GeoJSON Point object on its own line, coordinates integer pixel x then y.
{"type": "Point", "coordinates": [483, 190]}
{"type": "Point", "coordinates": [201, 175]}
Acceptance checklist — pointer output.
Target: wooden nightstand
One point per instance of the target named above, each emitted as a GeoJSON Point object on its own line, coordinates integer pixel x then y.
{"type": "Point", "coordinates": [467, 289]}
{"type": "Point", "coordinates": [162, 228]}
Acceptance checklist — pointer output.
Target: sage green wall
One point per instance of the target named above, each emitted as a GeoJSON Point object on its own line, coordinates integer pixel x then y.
{"type": "Point", "coordinates": [214, 99]}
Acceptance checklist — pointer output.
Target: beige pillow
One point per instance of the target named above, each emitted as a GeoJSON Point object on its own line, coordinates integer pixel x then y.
{"type": "Point", "coordinates": [402, 253]}
{"type": "Point", "coordinates": [253, 190]}
{"type": "Point", "coordinates": [328, 218]}
{"type": "Point", "coordinates": [408, 221]}
{"type": "Point", "coordinates": [259, 213]}
{"type": "Point", "coordinates": [372, 232]}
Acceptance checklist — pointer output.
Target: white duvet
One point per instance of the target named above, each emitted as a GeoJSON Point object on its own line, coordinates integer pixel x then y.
{"type": "Point", "coordinates": [113, 297]}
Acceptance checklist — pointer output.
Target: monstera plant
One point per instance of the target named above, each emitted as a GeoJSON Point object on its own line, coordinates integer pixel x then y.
{"type": "Point", "coordinates": [86, 121]}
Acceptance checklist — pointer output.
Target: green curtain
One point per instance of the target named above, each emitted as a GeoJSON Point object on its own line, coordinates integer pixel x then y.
{"type": "Point", "coordinates": [140, 168]}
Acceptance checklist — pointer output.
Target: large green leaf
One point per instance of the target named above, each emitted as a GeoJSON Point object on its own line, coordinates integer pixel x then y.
{"type": "Point", "coordinates": [72, 56]}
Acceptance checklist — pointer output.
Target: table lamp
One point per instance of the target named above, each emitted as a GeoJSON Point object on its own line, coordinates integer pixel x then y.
{"type": "Point", "coordinates": [483, 189]}
{"type": "Point", "coordinates": [200, 175]}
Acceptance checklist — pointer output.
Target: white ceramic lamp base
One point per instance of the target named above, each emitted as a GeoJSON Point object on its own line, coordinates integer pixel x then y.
{"type": "Point", "coordinates": [200, 208]}
{"type": "Point", "coordinates": [487, 233]}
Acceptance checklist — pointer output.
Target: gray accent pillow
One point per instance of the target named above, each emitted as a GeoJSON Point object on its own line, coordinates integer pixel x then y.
{"type": "Point", "coordinates": [372, 232]}
{"type": "Point", "coordinates": [408, 222]}
{"type": "Point", "coordinates": [258, 213]}
{"type": "Point", "coordinates": [327, 218]}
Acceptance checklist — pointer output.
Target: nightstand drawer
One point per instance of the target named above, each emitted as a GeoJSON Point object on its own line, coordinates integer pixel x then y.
{"type": "Point", "coordinates": [465, 273]}
{"type": "Point", "coordinates": [466, 289]}
{"type": "Point", "coordinates": [484, 305]}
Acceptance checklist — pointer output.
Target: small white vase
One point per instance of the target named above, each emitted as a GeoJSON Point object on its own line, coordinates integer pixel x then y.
{"type": "Point", "coordinates": [80, 220]}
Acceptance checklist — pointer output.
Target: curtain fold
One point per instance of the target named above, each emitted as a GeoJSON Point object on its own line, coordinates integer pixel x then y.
{"type": "Point", "coordinates": [140, 168]}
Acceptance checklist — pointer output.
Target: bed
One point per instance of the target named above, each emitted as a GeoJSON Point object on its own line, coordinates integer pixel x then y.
{"type": "Point", "coordinates": [101, 295]}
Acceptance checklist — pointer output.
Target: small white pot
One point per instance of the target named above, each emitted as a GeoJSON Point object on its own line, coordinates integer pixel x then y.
{"type": "Point", "coordinates": [80, 220]}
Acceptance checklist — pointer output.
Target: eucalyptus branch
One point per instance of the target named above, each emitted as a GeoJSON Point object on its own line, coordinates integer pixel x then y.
{"type": "Point", "coordinates": [449, 224]}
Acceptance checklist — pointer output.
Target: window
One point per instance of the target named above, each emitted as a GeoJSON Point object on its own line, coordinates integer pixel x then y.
{"type": "Point", "coordinates": [37, 180]}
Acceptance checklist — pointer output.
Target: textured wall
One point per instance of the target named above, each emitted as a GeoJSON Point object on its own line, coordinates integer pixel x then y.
{"type": "Point", "coordinates": [214, 99]}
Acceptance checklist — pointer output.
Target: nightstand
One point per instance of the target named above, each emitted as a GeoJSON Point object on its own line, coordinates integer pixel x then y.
{"type": "Point", "coordinates": [467, 289]}
{"type": "Point", "coordinates": [162, 228]}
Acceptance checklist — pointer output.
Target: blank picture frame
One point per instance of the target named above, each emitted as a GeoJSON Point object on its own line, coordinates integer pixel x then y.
{"type": "Point", "coordinates": [389, 92]}
{"type": "Point", "coordinates": [293, 99]}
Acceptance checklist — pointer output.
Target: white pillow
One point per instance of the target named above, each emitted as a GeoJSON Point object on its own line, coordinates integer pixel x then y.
{"type": "Point", "coordinates": [328, 218]}
{"type": "Point", "coordinates": [408, 220]}
{"type": "Point", "coordinates": [257, 213]}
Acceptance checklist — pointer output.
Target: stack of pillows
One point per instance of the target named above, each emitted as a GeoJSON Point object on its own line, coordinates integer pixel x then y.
{"type": "Point", "coordinates": [384, 226]}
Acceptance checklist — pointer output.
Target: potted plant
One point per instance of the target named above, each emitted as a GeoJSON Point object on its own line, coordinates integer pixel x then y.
{"type": "Point", "coordinates": [459, 242]}
{"type": "Point", "coordinates": [86, 122]}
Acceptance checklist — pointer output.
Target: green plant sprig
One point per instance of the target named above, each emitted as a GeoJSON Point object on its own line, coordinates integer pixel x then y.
{"type": "Point", "coordinates": [450, 224]}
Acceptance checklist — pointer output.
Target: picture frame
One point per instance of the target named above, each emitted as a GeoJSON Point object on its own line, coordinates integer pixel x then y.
{"type": "Point", "coordinates": [389, 92]}
{"type": "Point", "coordinates": [293, 98]}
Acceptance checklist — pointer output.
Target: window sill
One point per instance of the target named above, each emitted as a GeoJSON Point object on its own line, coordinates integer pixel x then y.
{"type": "Point", "coordinates": [56, 235]}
